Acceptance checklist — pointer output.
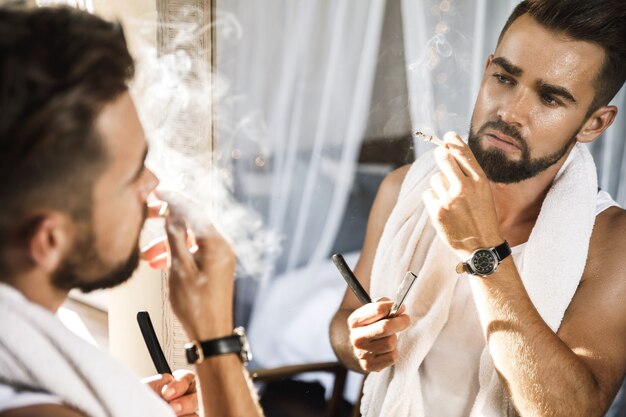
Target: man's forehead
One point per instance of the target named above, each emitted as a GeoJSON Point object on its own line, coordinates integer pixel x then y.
{"type": "Point", "coordinates": [550, 56]}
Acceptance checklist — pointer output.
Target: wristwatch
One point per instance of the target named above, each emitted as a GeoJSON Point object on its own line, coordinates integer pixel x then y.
{"type": "Point", "coordinates": [484, 261]}
{"type": "Point", "coordinates": [237, 343]}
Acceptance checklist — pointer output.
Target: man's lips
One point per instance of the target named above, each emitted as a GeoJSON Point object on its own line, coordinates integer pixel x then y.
{"type": "Point", "coordinates": [502, 137]}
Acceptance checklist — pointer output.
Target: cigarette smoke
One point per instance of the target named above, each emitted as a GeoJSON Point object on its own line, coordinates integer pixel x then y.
{"type": "Point", "coordinates": [174, 93]}
{"type": "Point", "coordinates": [442, 72]}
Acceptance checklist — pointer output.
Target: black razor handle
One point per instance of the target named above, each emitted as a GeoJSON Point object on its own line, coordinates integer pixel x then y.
{"type": "Point", "coordinates": [352, 281]}
{"type": "Point", "coordinates": [154, 347]}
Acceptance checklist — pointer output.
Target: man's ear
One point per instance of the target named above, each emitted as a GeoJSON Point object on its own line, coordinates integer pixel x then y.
{"type": "Point", "coordinates": [49, 240]}
{"type": "Point", "coordinates": [596, 124]}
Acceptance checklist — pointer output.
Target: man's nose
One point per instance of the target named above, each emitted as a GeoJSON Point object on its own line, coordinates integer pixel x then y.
{"type": "Point", "coordinates": [150, 182]}
{"type": "Point", "coordinates": [515, 108]}
{"type": "Point", "coordinates": [153, 181]}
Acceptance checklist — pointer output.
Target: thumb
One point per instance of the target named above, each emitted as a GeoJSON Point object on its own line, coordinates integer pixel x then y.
{"type": "Point", "coordinates": [157, 382]}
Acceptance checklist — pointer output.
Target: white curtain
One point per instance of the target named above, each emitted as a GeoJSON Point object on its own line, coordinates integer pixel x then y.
{"type": "Point", "coordinates": [446, 45]}
{"type": "Point", "coordinates": [298, 76]}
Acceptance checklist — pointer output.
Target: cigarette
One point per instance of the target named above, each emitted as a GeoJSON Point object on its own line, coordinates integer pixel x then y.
{"type": "Point", "coordinates": [429, 138]}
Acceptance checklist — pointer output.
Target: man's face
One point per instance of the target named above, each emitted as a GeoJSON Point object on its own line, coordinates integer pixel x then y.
{"type": "Point", "coordinates": [534, 98]}
{"type": "Point", "coordinates": [105, 251]}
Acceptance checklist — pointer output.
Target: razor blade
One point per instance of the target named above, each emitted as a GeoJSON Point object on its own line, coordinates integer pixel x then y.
{"type": "Point", "coordinates": [403, 290]}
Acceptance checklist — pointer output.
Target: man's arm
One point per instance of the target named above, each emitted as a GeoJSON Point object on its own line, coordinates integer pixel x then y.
{"type": "Point", "coordinates": [574, 373]}
{"type": "Point", "coordinates": [578, 371]}
{"type": "Point", "coordinates": [363, 330]}
{"type": "Point", "coordinates": [201, 293]}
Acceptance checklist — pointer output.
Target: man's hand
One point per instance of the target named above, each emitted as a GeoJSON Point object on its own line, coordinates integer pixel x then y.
{"type": "Point", "coordinates": [201, 271]}
{"type": "Point", "coordinates": [373, 335]}
{"type": "Point", "coordinates": [460, 202]}
{"type": "Point", "coordinates": [157, 251]}
{"type": "Point", "coordinates": [201, 284]}
{"type": "Point", "coordinates": [179, 390]}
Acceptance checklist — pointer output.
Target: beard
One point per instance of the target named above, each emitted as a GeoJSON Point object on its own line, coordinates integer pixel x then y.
{"type": "Point", "coordinates": [83, 267]}
{"type": "Point", "coordinates": [496, 164]}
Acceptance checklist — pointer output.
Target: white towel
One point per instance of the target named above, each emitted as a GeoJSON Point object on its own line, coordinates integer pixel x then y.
{"type": "Point", "coordinates": [555, 258]}
{"type": "Point", "coordinates": [38, 353]}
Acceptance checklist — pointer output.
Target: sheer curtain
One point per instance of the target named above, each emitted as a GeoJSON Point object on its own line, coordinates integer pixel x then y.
{"type": "Point", "coordinates": [446, 45]}
{"type": "Point", "coordinates": [298, 77]}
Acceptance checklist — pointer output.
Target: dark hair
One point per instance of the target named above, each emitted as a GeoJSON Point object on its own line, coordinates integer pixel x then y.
{"type": "Point", "coordinates": [58, 68]}
{"type": "Point", "coordinates": [602, 22]}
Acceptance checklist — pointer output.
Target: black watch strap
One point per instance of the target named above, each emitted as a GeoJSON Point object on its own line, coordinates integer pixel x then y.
{"type": "Point", "coordinates": [502, 251]}
{"type": "Point", "coordinates": [197, 351]}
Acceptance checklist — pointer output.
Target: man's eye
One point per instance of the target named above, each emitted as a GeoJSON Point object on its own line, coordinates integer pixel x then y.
{"type": "Point", "coordinates": [549, 100]}
{"type": "Point", "coordinates": [502, 79]}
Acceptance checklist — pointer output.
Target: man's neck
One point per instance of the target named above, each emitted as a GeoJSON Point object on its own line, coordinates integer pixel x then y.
{"type": "Point", "coordinates": [518, 205]}
{"type": "Point", "coordinates": [37, 288]}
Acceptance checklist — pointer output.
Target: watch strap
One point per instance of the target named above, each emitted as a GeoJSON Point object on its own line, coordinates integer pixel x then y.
{"type": "Point", "coordinates": [197, 351]}
{"type": "Point", "coordinates": [502, 251]}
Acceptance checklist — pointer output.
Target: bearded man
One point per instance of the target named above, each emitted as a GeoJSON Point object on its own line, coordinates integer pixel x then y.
{"type": "Point", "coordinates": [518, 307]}
{"type": "Point", "coordinates": [73, 186]}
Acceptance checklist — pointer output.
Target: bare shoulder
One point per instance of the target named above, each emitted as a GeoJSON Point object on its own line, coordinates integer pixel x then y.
{"type": "Point", "coordinates": [387, 196]}
{"type": "Point", "coordinates": [392, 183]}
{"type": "Point", "coordinates": [594, 324]}
{"type": "Point", "coordinates": [396, 177]}
{"type": "Point", "coordinates": [48, 410]}
{"type": "Point", "coordinates": [605, 271]}
{"type": "Point", "coordinates": [607, 246]}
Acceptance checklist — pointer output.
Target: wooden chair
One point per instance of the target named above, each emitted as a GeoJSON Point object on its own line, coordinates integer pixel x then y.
{"type": "Point", "coordinates": [333, 406]}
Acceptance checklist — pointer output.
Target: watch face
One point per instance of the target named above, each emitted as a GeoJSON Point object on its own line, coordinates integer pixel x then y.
{"type": "Point", "coordinates": [484, 262]}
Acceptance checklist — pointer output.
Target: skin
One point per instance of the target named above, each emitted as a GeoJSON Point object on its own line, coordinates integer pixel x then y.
{"type": "Point", "coordinates": [577, 371]}
{"type": "Point", "coordinates": [201, 285]}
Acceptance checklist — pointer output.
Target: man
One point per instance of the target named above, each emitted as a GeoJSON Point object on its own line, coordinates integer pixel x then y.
{"type": "Point", "coordinates": [541, 331]}
{"type": "Point", "coordinates": [73, 187]}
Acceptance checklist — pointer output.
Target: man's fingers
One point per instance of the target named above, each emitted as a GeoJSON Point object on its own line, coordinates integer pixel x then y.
{"type": "Point", "coordinates": [378, 362]}
{"type": "Point", "coordinates": [154, 248]}
{"type": "Point", "coordinates": [440, 185]}
{"type": "Point", "coordinates": [154, 209]}
{"type": "Point", "coordinates": [463, 155]}
{"type": "Point", "coordinates": [181, 393]}
{"type": "Point", "coordinates": [369, 313]}
{"type": "Point", "coordinates": [160, 246]}
{"type": "Point", "coordinates": [212, 248]}
{"type": "Point", "coordinates": [160, 262]}
{"type": "Point", "coordinates": [380, 329]}
{"type": "Point", "coordinates": [177, 240]}
{"type": "Point", "coordinates": [449, 167]}
{"type": "Point", "coordinates": [186, 377]}
{"type": "Point", "coordinates": [432, 202]}
{"type": "Point", "coordinates": [377, 346]}
{"type": "Point", "coordinates": [185, 405]}
{"type": "Point", "coordinates": [158, 382]}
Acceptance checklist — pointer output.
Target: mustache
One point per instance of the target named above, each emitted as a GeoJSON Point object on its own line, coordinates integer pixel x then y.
{"type": "Point", "coordinates": [504, 128]}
